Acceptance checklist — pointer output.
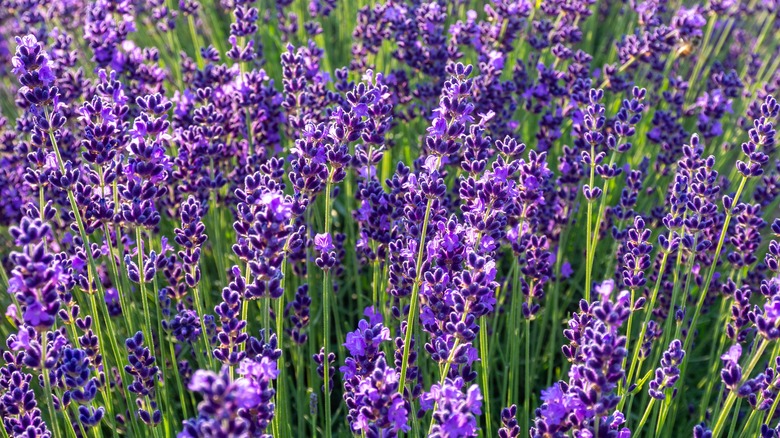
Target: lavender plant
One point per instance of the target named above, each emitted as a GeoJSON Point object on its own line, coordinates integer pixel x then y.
{"type": "Point", "coordinates": [242, 218]}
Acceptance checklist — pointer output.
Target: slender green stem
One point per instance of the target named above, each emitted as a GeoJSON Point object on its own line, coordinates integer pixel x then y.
{"type": "Point", "coordinates": [41, 201]}
{"type": "Point", "coordinates": [663, 411]}
{"type": "Point", "coordinates": [326, 292]}
{"type": "Point", "coordinates": [703, 57]}
{"type": "Point", "coordinates": [166, 399]}
{"type": "Point", "coordinates": [179, 385]}
{"type": "Point", "coordinates": [92, 266]}
{"type": "Point", "coordinates": [595, 235]}
{"type": "Point", "coordinates": [750, 423]}
{"type": "Point", "coordinates": [772, 410]}
{"type": "Point", "coordinates": [195, 41]}
{"type": "Point", "coordinates": [54, 425]}
{"type": "Point", "coordinates": [281, 390]}
{"type": "Point", "coordinates": [94, 309]}
{"type": "Point", "coordinates": [527, 383]}
{"type": "Point", "coordinates": [676, 273]}
{"type": "Point", "coordinates": [513, 327]}
{"type": "Point", "coordinates": [280, 385]}
{"type": "Point", "coordinates": [555, 298]}
{"type": "Point", "coordinates": [300, 386]}
{"type": "Point", "coordinates": [643, 331]}
{"type": "Point", "coordinates": [629, 329]}
{"type": "Point", "coordinates": [201, 318]}
{"type": "Point", "coordinates": [589, 243]}
{"type": "Point", "coordinates": [706, 286]}
{"type": "Point", "coordinates": [122, 299]}
{"type": "Point", "coordinates": [375, 280]}
{"type": "Point", "coordinates": [412, 316]}
{"type": "Point", "coordinates": [444, 373]}
{"type": "Point", "coordinates": [646, 415]}
{"type": "Point", "coordinates": [735, 418]}
{"type": "Point", "coordinates": [485, 368]}
{"type": "Point", "coordinates": [714, 364]}
{"type": "Point", "coordinates": [142, 285]}
{"type": "Point", "coordinates": [732, 397]}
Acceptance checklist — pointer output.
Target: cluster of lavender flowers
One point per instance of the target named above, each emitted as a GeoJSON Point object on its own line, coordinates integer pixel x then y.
{"type": "Point", "coordinates": [393, 218]}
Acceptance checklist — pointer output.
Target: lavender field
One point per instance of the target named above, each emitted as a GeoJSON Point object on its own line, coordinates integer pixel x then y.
{"type": "Point", "coordinates": [389, 218]}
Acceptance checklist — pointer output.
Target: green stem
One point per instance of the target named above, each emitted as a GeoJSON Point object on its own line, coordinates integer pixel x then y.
{"type": "Point", "coordinates": [704, 54]}
{"type": "Point", "coordinates": [676, 273]}
{"type": "Point", "coordinates": [92, 266]}
{"type": "Point", "coordinates": [326, 286]}
{"type": "Point", "coordinates": [662, 414]}
{"type": "Point", "coordinates": [732, 397]}
{"type": "Point", "coordinates": [485, 367]}
{"type": "Point", "coordinates": [527, 384]}
{"type": "Point", "coordinates": [772, 410]}
{"type": "Point", "coordinates": [195, 41]}
{"type": "Point", "coordinates": [595, 235]}
{"type": "Point", "coordinates": [281, 387]}
{"type": "Point", "coordinates": [115, 271]}
{"type": "Point", "coordinates": [179, 385]}
{"type": "Point", "coordinates": [555, 298]}
{"type": "Point", "coordinates": [41, 201]}
{"type": "Point", "coordinates": [705, 287]}
{"type": "Point", "coordinates": [47, 386]}
{"type": "Point", "coordinates": [628, 335]}
{"type": "Point", "coordinates": [411, 318]}
{"type": "Point", "coordinates": [749, 424]}
{"type": "Point", "coordinates": [643, 331]}
{"type": "Point", "coordinates": [204, 335]}
{"type": "Point", "coordinates": [513, 328]}
{"type": "Point", "coordinates": [713, 363]}
{"type": "Point", "coordinates": [735, 417]}
{"type": "Point", "coordinates": [142, 285]}
{"type": "Point", "coordinates": [646, 415]}
{"type": "Point", "coordinates": [588, 249]}
{"type": "Point", "coordinates": [444, 373]}
{"type": "Point", "coordinates": [280, 393]}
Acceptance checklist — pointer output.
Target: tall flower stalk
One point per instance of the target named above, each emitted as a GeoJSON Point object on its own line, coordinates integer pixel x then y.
{"type": "Point", "coordinates": [206, 205]}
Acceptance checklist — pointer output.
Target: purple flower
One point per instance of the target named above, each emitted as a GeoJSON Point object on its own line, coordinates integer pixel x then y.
{"type": "Point", "coordinates": [31, 65]}
{"type": "Point", "coordinates": [218, 413]}
{"type": "Point", "coordinates": [596, 350]}
{"type": "Point", "coordinates": [373, 316]}
{"type": "Point", "coordinates": [605, 289]}
{"type": "Point", "coordinates": [669, 371]}
{"type": "Point", "coordinates": [263, 369]}
{"type": "Point", "coordinates": [509, 426]}
{"type": "Point", "coordinates": [278, 204]}
{"type": "Point", "coordinates": [21, 341]}
{"type": "Point", "coordinates": [772, 310]}
{"type": "Point", "coordinates": [366, 336]}
{"type": "Point", "coordinates": [379, 409]}
{"type": "Point", "coordinates": [36, 316]}
{"type": "Point", "coordinates": [78, 264]}
{"type": "Point", "coordinates": [144, 373]}
{"type": "Point", "coordinates": [323, 242]}
{"type": "Point", "coordinates": [554, 408]}
{"type": "Point", "coordinates": [733, 355]}
{"type": "Point", "coordinates": [731, 374]}
{"type": "Point", "coordinates": [20, 407]}
{"type": "Point", "coordinates": [299, 313]}
{"type": "Point", "coordinates": [37, 274]}
{"type": "Point", "coordinates": [566, 270]}
{"type": "Point", "coordinates": [456, 412]}
{"type": "Point", "coordinates": [112, 295]}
